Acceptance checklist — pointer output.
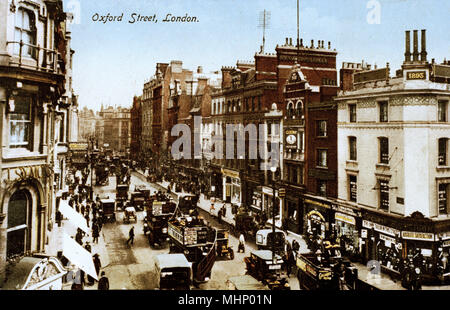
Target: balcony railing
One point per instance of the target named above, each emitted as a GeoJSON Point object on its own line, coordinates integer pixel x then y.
{"type": "Point", "coordinates": [34, 57]}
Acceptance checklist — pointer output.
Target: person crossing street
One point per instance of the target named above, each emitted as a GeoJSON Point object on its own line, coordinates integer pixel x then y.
{"type": "Point", "coordinates": [131, 236]}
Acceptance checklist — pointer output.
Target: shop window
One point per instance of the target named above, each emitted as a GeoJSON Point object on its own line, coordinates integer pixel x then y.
{"type": "Point", "coordinates": [322, 158]}
{"type": "Point", "coordinates": [322, 187]}
{"type": "Point", "coordinates": [384, 150]}
{"type": "Point", "coordinates": [383, 195]}
{"type": "Point", "coordinates": [353, 188]}
{"type": "Point", "coordinates": [20, 122]}
{"type": "Point", "coordinates": [17, 229]}
{"type": "Point", "coordinates": [442, 157]}
{"type": "Point", "coordinates": [321, 128]}
{"type": "Point", "coordinates": [383, 110]}
{"type": "Point", "coordinates": [442, 110]}
{"type": "Point", "coordinates": [352, 148]}
{"type": "Point", "coordinates": [442, 198]}
{"type": "Point", "coordinates": [352, 112]}
{"type": "Point", "coordinates": [25, 31]}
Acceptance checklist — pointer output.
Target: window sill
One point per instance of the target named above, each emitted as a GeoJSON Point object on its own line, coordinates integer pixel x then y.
{"type": "Point", "coordinates": [442, 168]}
{"type": "Point", "coordinates": [385, 166]}
{"type": "Point", "coordinates": [321, 167]}
{"type": "Point", "coordinates": [20, 153]}
{"type": "Point", "coordinates": [352, 162]}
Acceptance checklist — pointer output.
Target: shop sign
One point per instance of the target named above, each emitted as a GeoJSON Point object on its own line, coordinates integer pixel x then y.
{"type": "Point", "coordinates": [417, 236]}
{"type": "Point", "coordinates": [446, 243]}
{"type": "Point", "coordinates": [230, 173]}
{"type": "Point", "coordinates": [444, 236]}
{"type": "Point", "coordinates": [291, 138]}
{"type": "Point", "coordinates": [317, 203]}
{"type": "Point", "coordinates": [345, 210]}
{"type": "Point", "coordinates": [381, 228]}
{"type": "Point", "coordinates": [78, 146]}
{"type": "Point", "coordinates": [387, 240]}
{"type": "Point", "coordinates": [315, 214]}
{"type": "Point", "coordinates": [345, 218]}
{"type": "Point", "coordinates": [267, 191]}
{"type": "Point", "coordinates": [28, 172]}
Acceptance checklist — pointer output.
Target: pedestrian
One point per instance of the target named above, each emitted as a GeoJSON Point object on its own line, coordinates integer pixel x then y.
{"type": "Point", "coordinates": [219, 215]}
{"type": "Point", "coordinates": [82, 208]}
{"type": "Point", "coordinates": [79, 237]}
{"type": "Point", "coordinates": [88, 247]}
{"type": "Point", "coordinates": [290, 261]}
{"type": "Point", "coordinates": [131, 236]}
{"type": "Point", "coordinates": [97, 263]}
{"type": "Point", "coordinates": [78, 284]}
{"type": "Point", "coordinates": [103, 283]}
{"type": "Point", "coordinates": [95, 232]}
{"type": "Point", "coordinates": [87, 219]}
{"type": "Point", "coordinates": [241, 243]}
{"type": "Point", "coordinates": [295, 247]}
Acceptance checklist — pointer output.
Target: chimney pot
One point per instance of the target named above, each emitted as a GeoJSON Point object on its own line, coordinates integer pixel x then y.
{"type": "Point", "coordinates": [287, 41]}
{"type": "Point", "coordinates": [407, 46]}
{"type": "Point", "coordinates": [301, 42]}
{"type": "Point", "coordinates": [329, 45]}
{"type": "Point", "coordinates": [290, 41]}
{"type": "Point", "coordinates": [312, 43]}
{"type": "Point", "coordinates": [423, 54]}
{"type": "Point", "coordinates": [416, 46]}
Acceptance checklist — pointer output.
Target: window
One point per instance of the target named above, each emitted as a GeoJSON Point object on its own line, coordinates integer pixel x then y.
{"type": "Point", "coordinates": [299, 108]}
{"type": "Point", "coordinates": [442, 111]}
{"type": "Point", "coordinates": [352, 148]}
{"type": "Point", "coordinates": [322, 187]}
{"type": "Point", "coordinates": [20, 122]}
{"type": "Point", "coordinates": [353, 188]}
{"type": "Point", "coordinates": [384, 150]}
{"type": "Point", "coordinates": [442, 158]}
{"type": "Point", "coordinates": [259, 103]}
{"type": "Point", "coordinates": [25, 32]}
{"type": "Point", "coordinates": [321, 128]}
{"type": "Point", "coordinates": [442, 199]}
{"type": "Point", "coordinates": [290, 109]}
{"type": "Point", "coordinates": [383, 106]}
{"type": "Point", "coordinates": [352, 112]}
{"type": "Point", "coordinates": [322, 158]}
{"type": "Point", "coordinates": [384, 194]}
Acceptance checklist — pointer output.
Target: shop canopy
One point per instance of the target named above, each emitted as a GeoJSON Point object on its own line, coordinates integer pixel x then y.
{"type": "Point", "coordinates": [78, 256]}
{"type": "Point", "coordinates": [74, 217]}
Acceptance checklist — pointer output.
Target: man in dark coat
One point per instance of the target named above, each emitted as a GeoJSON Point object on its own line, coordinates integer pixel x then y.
{"type": "Point", "coordinates": [79, 237]}
{"type": "Point", "coordinates": [131, 234]}
{"type": "Point", "coordinates": [97, 263]}
{"type": "Point", "coordinates": [95, 232]}
{"type": "Point", "coordinates": [103, 283]}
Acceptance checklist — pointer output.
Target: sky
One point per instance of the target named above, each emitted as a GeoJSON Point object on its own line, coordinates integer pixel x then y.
{"type": "Point", "coordinates": [113, 60]}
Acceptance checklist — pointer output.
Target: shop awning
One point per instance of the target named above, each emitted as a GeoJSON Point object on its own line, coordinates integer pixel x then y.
{"type": "Point", "coordinates": [78, 256]}
{"type": "Point", "coordinates": [74, 217]}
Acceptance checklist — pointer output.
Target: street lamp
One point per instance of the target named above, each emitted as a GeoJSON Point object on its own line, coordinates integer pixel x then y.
{"type": "Point", "coordinates": [273, 169]}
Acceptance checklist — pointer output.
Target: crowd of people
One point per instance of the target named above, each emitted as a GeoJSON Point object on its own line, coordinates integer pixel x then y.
{"type": "Point", "coordinates": [79, 200]}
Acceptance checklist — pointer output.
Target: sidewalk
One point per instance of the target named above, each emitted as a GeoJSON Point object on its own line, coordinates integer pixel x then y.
{"type": "Point", "coordinates": [55, 245]}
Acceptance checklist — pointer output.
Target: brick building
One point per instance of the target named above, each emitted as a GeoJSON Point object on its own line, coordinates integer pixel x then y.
{"type": "Point", "coordinates": [136, 127]}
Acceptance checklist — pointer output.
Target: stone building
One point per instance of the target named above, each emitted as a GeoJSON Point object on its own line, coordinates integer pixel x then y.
{"type": "Point", "coordinates": [116, 128]}
{"type": "Point", "coordinates": [38, 119]}
{"type": "Point", "coordinates": [393, 164]}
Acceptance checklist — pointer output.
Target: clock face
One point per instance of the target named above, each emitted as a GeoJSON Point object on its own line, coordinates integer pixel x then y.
{"type": "Point", "coordinates": [291, 139]}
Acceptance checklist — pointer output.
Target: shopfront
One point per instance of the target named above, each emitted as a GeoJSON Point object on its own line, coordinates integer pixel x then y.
{"type": "Point", "coordinates": [231, 186]}
{"type": "Point", "coordinates": [382, 243]}
{"type": "Point", "coordinates": [346, 227]}
{"type": "Point", "coordinates": [293, 212]}
{"type": "Point", "coordinates": [317, 218]}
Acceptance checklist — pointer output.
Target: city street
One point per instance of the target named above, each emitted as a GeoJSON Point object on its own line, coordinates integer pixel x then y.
{"type": "Point", "coordinates": [132, 267]}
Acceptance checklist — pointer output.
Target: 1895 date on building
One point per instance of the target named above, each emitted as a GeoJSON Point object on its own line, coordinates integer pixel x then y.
{"type": "Point", "coordinates": [144, 18]}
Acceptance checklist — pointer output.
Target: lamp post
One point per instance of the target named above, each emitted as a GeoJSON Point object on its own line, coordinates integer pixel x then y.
{"type": "Point", "coordinates": [273, 169]}
{"type": "Point", "coordinates": [91, 146]}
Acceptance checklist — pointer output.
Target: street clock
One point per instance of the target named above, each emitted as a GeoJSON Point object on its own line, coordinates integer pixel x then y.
{"type": "Point", "coordinates": [291, 139]}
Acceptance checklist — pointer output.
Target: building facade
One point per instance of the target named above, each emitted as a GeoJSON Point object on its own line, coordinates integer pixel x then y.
{"type": "Point", "coordinates": [38, 119]}
{"type": "Point", "coordinates": [393, 159]}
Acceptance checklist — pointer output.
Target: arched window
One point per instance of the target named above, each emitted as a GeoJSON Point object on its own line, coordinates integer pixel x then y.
{"type": "Point", "coordinates": [25, 31]}
{"type": "Point", "coordinates": [18, 223]}
{"type": "Point", "coordinates": [299, 108]}
{"type": "Point", "coordinates": [290, 109]}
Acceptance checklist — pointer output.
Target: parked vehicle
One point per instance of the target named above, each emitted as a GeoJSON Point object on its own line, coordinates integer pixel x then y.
{"type": "Point", "coordinates": [222, 247]}
{"type": "Point", "coordinates": [173, 271]}
{"type": "Point", "coordinates": [260, 265]}
{"type": "Point", "coordinates": [130, 215]}
{"type": "Point", "coordinates": [108, 207]}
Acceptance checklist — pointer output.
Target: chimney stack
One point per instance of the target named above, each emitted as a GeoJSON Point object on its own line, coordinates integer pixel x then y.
{"type": "Point", "coordinates": [423, 54]}
{"type": "Point", "coordinates": [287, 41]}
{"type": "Point", "coordinates": [290, 41]}
{"type": "Point", "coordinates": [312, 43]}
{"type": "Point", "coordinates": [329, 45]}
{"type": "Point", "coordinates": [301, 42]}
{"type": "Point", "coordinates": [408, 46]}
{"type": "Point", "coordinates": [416, 46]}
